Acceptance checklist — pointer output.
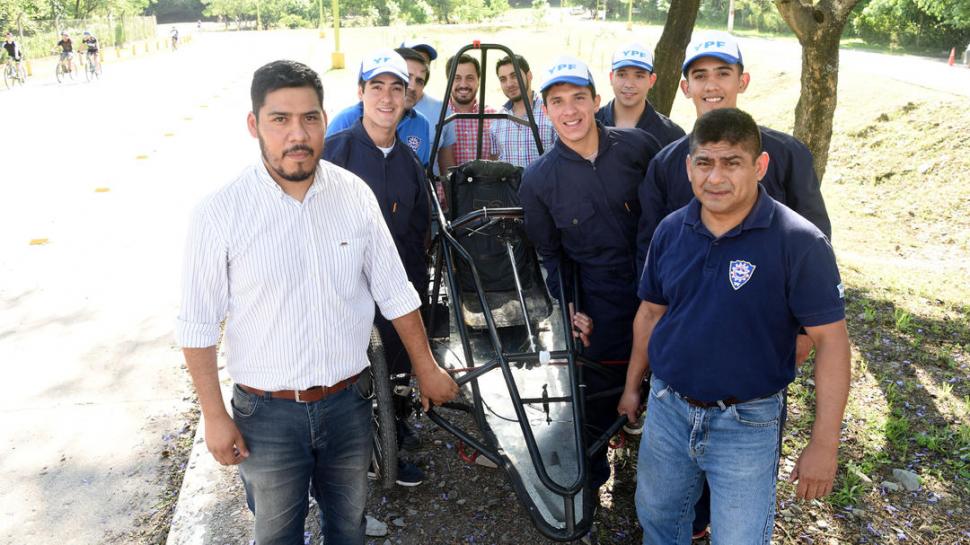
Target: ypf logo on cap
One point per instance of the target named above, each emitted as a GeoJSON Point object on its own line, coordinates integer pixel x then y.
{"type": "Point", "coordinates": [384, 61]}
{"type": "Point", "coordinates": [567, 69]}
{"type": "Point", "coordinates": [633, 55]}
{"type": "Point", "coordinates": [716, 44]}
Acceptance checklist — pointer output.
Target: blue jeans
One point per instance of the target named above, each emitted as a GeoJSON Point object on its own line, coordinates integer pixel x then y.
{"type": "Point", "coordinates": [324, 447]}
{"type": "Point", "coordinates": [735, 449]}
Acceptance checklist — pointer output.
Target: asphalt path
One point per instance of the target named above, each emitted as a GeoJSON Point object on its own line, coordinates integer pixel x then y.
{"type": "Point", "coordinates": [98, 180]}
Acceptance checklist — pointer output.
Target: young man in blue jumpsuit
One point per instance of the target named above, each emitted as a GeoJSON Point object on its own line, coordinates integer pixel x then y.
{"type": "Point", "coordinates": [413, 128]}
{"type": "Point", "coordinates": [581, 208]}
{"type": "Point", "coordinates": [729, 280]}
{"type": "Point", "coordinates": [714, 76]}
{"type": "Point", "coordinates": [632, 78]}
{"type": "Point", "coordinates": [372, 149]}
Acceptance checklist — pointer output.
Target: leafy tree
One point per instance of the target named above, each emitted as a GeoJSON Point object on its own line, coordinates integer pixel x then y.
{"type": "Point", "coordinates": [670, 51]}
{"type": "Point", "coordinates": [818, 27]}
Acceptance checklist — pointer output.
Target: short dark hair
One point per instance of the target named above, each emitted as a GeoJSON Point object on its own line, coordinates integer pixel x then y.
{"type": "Point", "coordinates": [410, 54]}
{"type": "Point", "coordinates": [281, 75]}
{"type": "Point", "coordinates": [545, 92]}
{"type": "Point", "coordinates": [523, 64]}
{"type": "Point", "coordinates": [464, 59]}
{"type": "Point", "coordinates": [729, 125]}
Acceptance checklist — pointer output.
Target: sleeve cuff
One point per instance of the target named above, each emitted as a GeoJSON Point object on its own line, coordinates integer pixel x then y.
{"type": "Point", "coordinates": [822, 318]}
{"type": "Point", "coordinates": [196, 335]}
{"type": "Point", "coordinates": [402, 303]}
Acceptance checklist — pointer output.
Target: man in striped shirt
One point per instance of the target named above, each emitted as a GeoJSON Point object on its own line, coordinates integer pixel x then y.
{"type": "Point", "coordinates": [515, 143]}
{"type": "Point", "coordinates": [464, 89]}
{"type": "Point", "coordinates": [298, 250]}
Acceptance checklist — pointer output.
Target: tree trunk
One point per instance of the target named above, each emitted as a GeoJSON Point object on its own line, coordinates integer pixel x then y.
{"type": "Point", "coordinates": [819, 29]}
{"type": "Point", "coordinates": [669, 53]}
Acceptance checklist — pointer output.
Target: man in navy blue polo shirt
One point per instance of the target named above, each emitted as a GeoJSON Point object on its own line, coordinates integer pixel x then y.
{"type": "Point", "coordinates": [372, 149]}
{"type": "Point", "coordinates": [729, 280]}
{"type": "Point", "coordinates": [413, 128]}
{"type": "Point", "coordinates": [632, 78]}
{"type": "Point", "coordinates": [580, 204]}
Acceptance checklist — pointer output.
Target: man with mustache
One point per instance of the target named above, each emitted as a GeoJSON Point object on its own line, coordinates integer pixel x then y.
{"type": "Point", "coordinates": [632, 78]}
{"type": "Point", "coordinates": [714, 76]}
{"type": "Point", "coordinates": [464, 99]}
{"type": "Point", "coordinates": [371, 149]}
{"type": "Point", "coordinates": [299, 251]}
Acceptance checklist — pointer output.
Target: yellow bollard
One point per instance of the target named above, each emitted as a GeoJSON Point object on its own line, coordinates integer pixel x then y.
{"type": "Point", "coordinates": [30, 70]}
{"type": "Point", "coordinates": [117, 52]}
{"type": "Point", "coordinates": [336, 60]}
{"type": "Point", "coordinates": [133, 51]}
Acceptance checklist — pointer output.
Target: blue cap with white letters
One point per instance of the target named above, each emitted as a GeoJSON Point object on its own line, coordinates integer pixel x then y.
{"type": "Point", "coordinates": [567, 69]}
{"type": "Point", "coordinates": [713, 43]}
{"type": "Point", "coordinates": [634, 55]}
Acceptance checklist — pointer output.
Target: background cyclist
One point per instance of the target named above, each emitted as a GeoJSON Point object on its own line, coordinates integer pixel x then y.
{"type": "Point", "coordinates": [91, 42]}
{"type": "Point", "coordinates": [14, 53]}
{"type": "Point", "coordinates": [67, 51]}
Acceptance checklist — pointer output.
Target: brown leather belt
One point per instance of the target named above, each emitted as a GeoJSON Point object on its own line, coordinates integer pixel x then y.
{"type": "Point", "coordinates": [727, 402]}
{"type": "Point", "coordinates": [310, 395]}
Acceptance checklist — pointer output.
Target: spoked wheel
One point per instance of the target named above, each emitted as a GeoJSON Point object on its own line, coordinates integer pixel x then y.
{"type": "Point", "coordinates": [89, 73]}
{"type": "Point", "coordinates": [59, 72]}
{"type": "Point", "coordinates": [7, 76]}
{"type": "Point", "coordinates": [384, 459]}
{"type": "Point", "coordinates": [21, 74]}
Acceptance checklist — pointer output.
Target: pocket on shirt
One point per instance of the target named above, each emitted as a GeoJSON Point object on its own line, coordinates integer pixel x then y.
{"type": "Point", "coordinates": [574, 223]}
{"type": "Point", "coordinates": [346, 265]}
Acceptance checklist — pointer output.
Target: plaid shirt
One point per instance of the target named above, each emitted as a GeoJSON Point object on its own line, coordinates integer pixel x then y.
{"type": "Point", "coordinates": [466, 135]}
{"type": "Point", "coordinates": [515, 143]}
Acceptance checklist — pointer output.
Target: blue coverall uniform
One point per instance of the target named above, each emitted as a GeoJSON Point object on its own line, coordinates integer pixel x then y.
{"type": "Point", "coordinates": [585, 214]}
{"type": "Point", "coordinates": [399, 183]}
{"type": "Point", "coordinates": [413, 129]}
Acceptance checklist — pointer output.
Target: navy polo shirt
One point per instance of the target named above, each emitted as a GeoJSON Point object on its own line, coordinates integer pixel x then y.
{"type": "Point", "coordinates": [587, 213]}
{"type": "Point", "coordinates": [790, 180]}
{"type": "Point", "coordinates": [413, 129]}
{"type": "Point", "coordinates": [735, 303]}
{"type": "Point", "coordinates": [398, 182]}
{"type": "Point", "coordinates": [655, 123]}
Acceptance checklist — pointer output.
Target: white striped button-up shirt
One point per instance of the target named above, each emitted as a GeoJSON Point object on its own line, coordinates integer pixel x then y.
{"type": "Point", "coordinates": [296, 282]}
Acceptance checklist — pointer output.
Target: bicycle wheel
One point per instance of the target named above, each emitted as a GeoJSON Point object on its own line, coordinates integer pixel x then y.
{"type": "Point", "coordinates": [59, 72]}
{"type": "Point", "coordinates": [89, 70]}
{"type": "Point", "coordinates": [384, 459]}
{"type": "Point", "coordinates": [7, 76]}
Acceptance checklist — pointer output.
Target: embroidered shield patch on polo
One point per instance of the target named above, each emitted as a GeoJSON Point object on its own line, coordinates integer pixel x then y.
{"type": "Point", "coordinates": [739, 272]}
{"type": "Point", "coordinates": [414, 143]}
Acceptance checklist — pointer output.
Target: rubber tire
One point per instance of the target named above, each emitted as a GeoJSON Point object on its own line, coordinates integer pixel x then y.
{"type": "Point", "coordinates": [88, 70]}
{"type": "Point", "coordinates": [22, 76]}
{"type": "Point", "coordinates": [385, 429]}
{"type": "Point", "coordinates": [59, 71]}
{"type": "Point", "coordinates": [7, 77]}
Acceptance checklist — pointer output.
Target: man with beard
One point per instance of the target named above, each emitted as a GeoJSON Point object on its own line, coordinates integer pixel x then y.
{"type": "Point", "coordinates": [514, 142]}
{"type": "Point", "coordinates": [414, 128]}
{"type": "Point", "coordinates": [632, 78]}
{"type": "Point", "coordinates": [580, 206]}
{"type": "Point", "coordinates": [299, 251]}
{"type": "Point", "coordinates": [464, 93]}
{"type": "Point", "coordinates": [371, 149]}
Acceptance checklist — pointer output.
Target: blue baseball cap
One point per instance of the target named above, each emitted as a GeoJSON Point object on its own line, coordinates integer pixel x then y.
{"type": "Point", "coordinates": [567, 69]}
{"type": "Point", "coordinates": [713, 43]}
{"type": "Point", "coordinates": [634, 55]}
{"type": "Point", "coordinates": [419, 46]}
{"type": "Point", "coordinates": [384, 61]}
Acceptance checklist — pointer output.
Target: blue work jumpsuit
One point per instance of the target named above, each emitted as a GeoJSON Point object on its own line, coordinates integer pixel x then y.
{"type": "Point", "coordinates": [585, 214]}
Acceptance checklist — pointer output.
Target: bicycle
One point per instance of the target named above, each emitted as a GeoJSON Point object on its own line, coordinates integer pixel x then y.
{"type": "Point", "coordinates": [14, 73]}
{"type": "Point", "coordinates": [92, 68]}
{"type": "Point", "coordinates": [64, 69]}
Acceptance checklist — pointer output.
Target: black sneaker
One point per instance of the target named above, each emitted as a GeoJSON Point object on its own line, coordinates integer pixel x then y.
{"type": "Point", "coordinates": [407, 438]}
{"type": "Point", "coordinates": [408, 474]}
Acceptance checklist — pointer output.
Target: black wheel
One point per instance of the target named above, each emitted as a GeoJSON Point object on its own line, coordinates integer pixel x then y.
{"type": "Point", "coordinates": [385, 431]}
{"type": "Point", "coordinates": [89, 70]}
{"type": "Point", "coordinates": [7, 76]}
{"type": "Point", "coordinates": [59, 72]}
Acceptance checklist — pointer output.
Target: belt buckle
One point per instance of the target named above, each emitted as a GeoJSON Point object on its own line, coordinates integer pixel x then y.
{"type": "Point", "coordinates": [296, 397]}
